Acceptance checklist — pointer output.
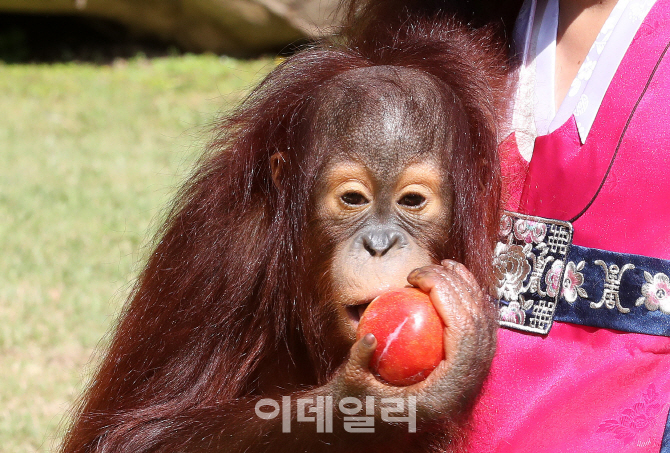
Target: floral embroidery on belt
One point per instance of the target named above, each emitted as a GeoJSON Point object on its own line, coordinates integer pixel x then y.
{"type": "Point", "coordinates": [553, 278]}
{"type": "Point", "coordinates": [541, 275]}
{"type": "Point", "coordinates": [655, 293]}
{"type": "Point", "coordinates": [528, 269]}
{"type": "Point", "coordinates": [573, 281]}
{"type": "Point", "coordinates": [510, 268]}
{"type": "Point", "coordinates": [530, 231]}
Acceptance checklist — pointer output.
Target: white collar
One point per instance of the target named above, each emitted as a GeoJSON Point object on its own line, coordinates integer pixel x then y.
{"type": "Point", "coordinates": [535, 37]}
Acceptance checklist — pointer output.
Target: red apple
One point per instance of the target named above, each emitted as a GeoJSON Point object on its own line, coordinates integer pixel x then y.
{"type": "Point", "coordinates": [409, 335]}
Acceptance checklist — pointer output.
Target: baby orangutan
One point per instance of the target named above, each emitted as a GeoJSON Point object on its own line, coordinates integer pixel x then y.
{"type": "Point", "coordinates": [354, 167]}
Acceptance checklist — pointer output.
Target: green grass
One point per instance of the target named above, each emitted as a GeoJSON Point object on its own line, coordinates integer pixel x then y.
{"type": "Point", "coordinates": [90, 157]}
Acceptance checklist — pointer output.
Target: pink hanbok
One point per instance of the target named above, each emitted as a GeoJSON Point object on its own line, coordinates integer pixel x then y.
{"type": "Point", "coordinates": [593, 383]}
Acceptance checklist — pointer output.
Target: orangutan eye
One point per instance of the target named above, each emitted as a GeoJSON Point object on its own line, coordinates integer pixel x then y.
{"type": "Point", "coordinates": [412, 200]}
{"type": "Point", "coordinates": [354, 199]}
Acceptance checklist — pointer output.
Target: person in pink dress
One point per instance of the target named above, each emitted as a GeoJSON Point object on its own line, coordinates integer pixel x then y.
{"type": "Point", "coordinates": [583, 265]}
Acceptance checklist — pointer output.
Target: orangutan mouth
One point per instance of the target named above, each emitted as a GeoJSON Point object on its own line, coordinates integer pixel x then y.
{"type": "Point", "coordinates": [355, 312]}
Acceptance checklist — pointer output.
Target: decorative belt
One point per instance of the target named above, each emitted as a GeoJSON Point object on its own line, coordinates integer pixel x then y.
{"type": "Point", "coordinates": [542, 277]}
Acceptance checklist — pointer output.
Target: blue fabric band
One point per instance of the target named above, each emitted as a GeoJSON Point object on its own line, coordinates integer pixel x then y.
{"type": "Point", "coordinates": [624, 292]}
{"type": "Point", "coordinates": [542, 277]}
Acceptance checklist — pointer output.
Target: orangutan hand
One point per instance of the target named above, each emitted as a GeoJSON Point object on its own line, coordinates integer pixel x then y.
{"type": "Point", "coordinates": [469, 343]}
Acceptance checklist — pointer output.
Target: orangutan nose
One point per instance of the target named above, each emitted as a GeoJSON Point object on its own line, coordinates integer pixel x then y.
{"type": "Point", "coordinates": [379, 242]}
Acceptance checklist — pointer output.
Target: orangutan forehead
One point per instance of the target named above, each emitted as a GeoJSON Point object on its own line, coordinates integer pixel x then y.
{"type": "Point", "coordinates": [384, 114]}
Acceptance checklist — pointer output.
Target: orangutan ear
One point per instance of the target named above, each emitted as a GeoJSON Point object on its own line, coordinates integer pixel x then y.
{"type": "Point", "coordinates": [277, 166]}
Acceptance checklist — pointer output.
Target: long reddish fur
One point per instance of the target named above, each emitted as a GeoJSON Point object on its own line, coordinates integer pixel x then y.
{"type": "Point", "coordinates": [225, 291]}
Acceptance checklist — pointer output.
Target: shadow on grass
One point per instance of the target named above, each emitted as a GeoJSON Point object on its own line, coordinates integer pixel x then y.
{"type": "Point", "coordinates": [26, 38]}
{"type": "Point", "coordinates": [40, 38]}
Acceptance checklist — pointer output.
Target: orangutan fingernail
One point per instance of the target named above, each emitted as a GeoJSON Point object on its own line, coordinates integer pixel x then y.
{"type": "Point", "coordinates": [369, 339]}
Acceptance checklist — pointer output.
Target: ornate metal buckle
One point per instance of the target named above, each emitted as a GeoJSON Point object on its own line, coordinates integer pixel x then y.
{"type": "Point", "coordinates": [529, 264]}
